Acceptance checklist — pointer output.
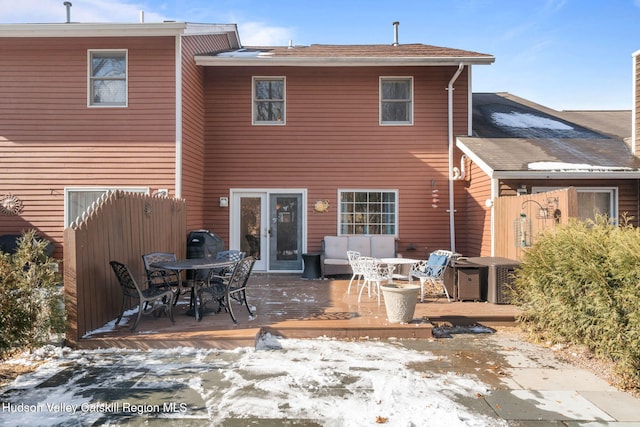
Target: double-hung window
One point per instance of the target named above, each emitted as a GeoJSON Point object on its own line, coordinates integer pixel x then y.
{"type": "Point", "coordinates": [593, 201]}
{"type": "Point", "coordinates": [396, 100]}
{"type": "Point", "coordinates": [107, 78]}
{"type": "Point", "coordinates": [78, 200]}
{"type": "Point", "coordinates": [269, 100]}
{"type": "Point", "coordinates": [368, 212]}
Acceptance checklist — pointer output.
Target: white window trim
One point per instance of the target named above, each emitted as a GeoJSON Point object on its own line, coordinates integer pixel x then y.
{"type": "Point", "coordinates": [412, 100]}
{"type": "Point", "coordinates": [126, 78]}
{"type": "Point", "coordinates": [611, 190]}
{"type": "Point", "coordinates": [254, 121]}
{"type": "Point", "coordinates": [370, 190]}
{"type": "Point", "coordinates": [67, 190]}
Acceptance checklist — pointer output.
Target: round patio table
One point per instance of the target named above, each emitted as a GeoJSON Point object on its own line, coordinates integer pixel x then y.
{"type": "Point", "coordinates": [193, 264]}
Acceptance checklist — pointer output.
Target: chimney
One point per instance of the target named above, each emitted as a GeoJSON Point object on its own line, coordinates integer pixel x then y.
{"type": "Point", "coordinates": [68, 6]}
{"type": "Point", "coordinates": [395, 33]}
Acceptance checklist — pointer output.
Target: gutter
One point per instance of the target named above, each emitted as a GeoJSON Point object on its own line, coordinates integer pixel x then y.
{"type": "Point", "coordinates": [634, 105]}
{"type": "Point", "coordinates": [325, 61]}
{"type": "Point", "coordinates": [74, 29]}
{"type": "Point", "coordinates": [178, 156]}
{"type": "Point", "coordinates": [452, 178]}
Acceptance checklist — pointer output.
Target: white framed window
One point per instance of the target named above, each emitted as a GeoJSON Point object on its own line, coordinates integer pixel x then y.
{"type": "Point", "coordinates": [368, 212]}
{"type": "Point", "coordinates": [396, 100]}
{"type": "Point", "coordinates": [592, 201]}
{"type": "Point", "coordinates": [107, 84]}
{"type": "Point", "coordinates": [77, 200]}
{"type": "Point", "coordinates": [269, 100]}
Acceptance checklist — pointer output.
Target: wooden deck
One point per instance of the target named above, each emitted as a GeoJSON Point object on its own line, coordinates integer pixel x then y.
{"type": "Point", "coordinates": [288, 306]}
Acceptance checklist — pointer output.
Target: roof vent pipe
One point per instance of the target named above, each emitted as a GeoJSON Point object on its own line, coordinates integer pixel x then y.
{"type": "Point", "coordinates": [142, 16]}
{"type": "Point", "coordinates": [68, 6]}
{"type": "Point", "coordinates": [395, 33]}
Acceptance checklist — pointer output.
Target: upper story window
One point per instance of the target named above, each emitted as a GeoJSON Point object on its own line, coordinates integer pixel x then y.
{"type": "Point", "coordinates": [108, 78]}
{"type": "Point", "coordinates": [269, 100]}
{"type": "Point", "coordinates": [396, 100]}
{"type": "Point", "coordinates": [368, 212]}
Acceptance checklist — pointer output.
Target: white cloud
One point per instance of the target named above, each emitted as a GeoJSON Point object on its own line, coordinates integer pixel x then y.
{"type": "Point", "coordinates": [53, 11]}
{"type": "Point", "coordinates": [260, 34]}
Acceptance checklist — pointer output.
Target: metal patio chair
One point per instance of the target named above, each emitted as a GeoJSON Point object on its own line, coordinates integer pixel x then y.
{"type": "Point", "coordinates": [374, 273]}
{"type": "Point", "coordinates": [431, 273]}
{"type": "Point", "coordinates": [230, 288]}
{"type": "Point", "coordinates": [220, 274]}
{"type": "Point", "coordinates": [154, 299]}
{"type": "Point", "coordinates": [356, 268]}
{"type": "Point", "coordinates": [161, 277]}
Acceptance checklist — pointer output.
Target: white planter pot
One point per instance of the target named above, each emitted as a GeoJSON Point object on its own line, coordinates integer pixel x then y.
{"type": "Point", "coordinates": [400, 301]}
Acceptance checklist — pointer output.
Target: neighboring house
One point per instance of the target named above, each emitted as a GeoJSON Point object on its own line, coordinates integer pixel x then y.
{"type": "Point", "coordinates": [518, 147]}
{"type": "Point", "coordinates": [90, 107]}
{"type": "Point", "coordinates": [272, 148]}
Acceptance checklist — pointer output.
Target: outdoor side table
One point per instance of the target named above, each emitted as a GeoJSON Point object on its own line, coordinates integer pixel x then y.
{"type": "Point", "coordinates": [311, 266]}
{"type": "Point", "coordinates": [471, 280]}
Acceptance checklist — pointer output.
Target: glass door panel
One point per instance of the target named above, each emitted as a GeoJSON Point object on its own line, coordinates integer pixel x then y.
{"type": "Point", "coordinates": [285, 233]}
{"type": "Point", "coordinates": [250, 220]}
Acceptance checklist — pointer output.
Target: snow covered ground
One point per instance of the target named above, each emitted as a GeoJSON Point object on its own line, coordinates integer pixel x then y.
{"type": "Point", "coordinates": [307, 382]}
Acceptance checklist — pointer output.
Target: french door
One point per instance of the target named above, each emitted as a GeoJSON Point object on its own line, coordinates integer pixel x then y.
{"type": "Point", "coordinates": [269, 225]}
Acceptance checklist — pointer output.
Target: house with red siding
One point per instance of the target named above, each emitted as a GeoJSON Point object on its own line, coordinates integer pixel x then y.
{"type": "Point", "coordinates": [272, 148]}
{"type": "Point", "coordinates": [85, 108]}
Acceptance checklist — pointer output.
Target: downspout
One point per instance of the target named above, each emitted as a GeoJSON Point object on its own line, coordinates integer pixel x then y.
{"type": "Point", "coordinates": [452, 226]}
{"type": "Point", "coordinates": [178, 177]}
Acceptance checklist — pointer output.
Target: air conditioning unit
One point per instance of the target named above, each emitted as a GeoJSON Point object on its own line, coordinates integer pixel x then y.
{"type": "Point", "coordinates": [499, 277]}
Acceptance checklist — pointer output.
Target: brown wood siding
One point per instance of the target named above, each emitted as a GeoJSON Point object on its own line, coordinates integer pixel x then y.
{"type": "Point", "coordinates": [628, 191]}
{"type": "Point", "coordinates": [332, 140]}
{"type": "Point", "coordinates": [476, 215]}
{"type": "Point", "coordinates": [50, 139]}
{"type": "Point", "coordinates": [193, 122]}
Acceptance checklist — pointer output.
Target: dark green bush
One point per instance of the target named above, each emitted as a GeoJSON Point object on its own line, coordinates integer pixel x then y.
{"type": "Point", "coordinates": [31, 300]}
{"type": "Point", "coordinates": [580, 283]}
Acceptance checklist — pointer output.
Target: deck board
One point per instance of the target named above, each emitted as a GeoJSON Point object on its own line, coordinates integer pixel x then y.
{"type": "Point", "coordinates": [288, 306]}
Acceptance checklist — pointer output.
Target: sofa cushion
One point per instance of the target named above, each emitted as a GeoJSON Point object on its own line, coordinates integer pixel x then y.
{"type": "Point", "coordinates": [336, 261]}
{"type": "Point", "coordinates": [360, 244]}
{"type": "Point", "coordinates": [335, 247]}
{"type": "Point", "coordinates": [383, 246]}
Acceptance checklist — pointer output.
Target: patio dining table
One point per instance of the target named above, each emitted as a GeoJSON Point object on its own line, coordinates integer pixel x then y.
{"type": "Point", "coordinates": [393, 262]}
{"type": "Point", "coordinates": [194, 264]}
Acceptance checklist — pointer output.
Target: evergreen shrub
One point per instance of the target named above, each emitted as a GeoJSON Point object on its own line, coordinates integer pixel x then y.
{"type": "Point", "coordinates": [31, 299]}
{"type": "Point", "coordinates": [580, 283]}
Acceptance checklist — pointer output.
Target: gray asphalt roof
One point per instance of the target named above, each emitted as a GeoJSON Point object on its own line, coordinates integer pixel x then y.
{"type": "Point", "coordinates": [513, 134]}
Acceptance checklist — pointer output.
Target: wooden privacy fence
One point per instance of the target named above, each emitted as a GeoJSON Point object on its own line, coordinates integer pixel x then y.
{"type": "Point", "coordinates": [122, 227]}
{"type": "Point", "coordinates": [542, 211]}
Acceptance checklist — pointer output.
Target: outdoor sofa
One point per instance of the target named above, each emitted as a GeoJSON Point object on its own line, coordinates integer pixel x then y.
{"type": "Point", "coordinates": [334, 260]}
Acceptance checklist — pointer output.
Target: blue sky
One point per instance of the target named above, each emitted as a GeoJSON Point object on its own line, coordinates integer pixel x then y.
{"type": "Point", "coordinates": [565, 54]}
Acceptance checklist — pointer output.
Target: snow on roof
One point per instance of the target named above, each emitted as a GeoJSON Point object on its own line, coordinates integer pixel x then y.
{"type": "Point", "coordinates": [527, 120]}
{"type": "Point", "coordinates": [571, 167]}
